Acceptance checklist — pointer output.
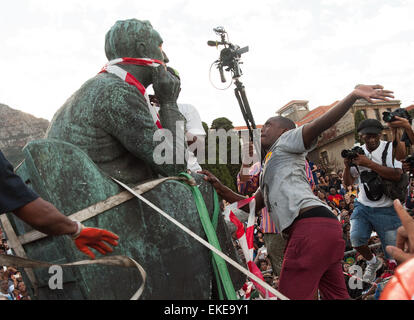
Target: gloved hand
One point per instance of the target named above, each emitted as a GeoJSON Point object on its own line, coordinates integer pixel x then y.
{"type": "Point", "coordinates": [94, 238]}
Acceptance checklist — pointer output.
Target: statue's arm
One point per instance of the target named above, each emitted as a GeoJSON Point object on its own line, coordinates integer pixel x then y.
{"type": "Point", "coordinates": [166, 87]}
{"type": "Point", "coordinates": [123, 113]}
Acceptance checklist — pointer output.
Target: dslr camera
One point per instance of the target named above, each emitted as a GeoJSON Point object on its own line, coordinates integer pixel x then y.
{"type": "Point", "coordinates": [390, 116]}
{"type": "Point", "coordinates": [352, 153]}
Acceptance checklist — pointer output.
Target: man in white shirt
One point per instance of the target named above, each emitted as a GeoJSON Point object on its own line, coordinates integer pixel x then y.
{"type": "Point", "coordinates": [373, 209]}
{"type": "Point", "coordinates": [194, 132]}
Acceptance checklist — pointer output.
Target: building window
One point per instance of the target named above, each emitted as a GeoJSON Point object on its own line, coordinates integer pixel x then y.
{"type": "Point", "coordinates": [377, 114]}
{"type": "Point", "coordinates": [324, 157]}
{"type": "Point", "coordinates": [287, 112]}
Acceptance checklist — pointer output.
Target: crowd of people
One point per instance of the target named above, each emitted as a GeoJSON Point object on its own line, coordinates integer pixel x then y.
{"type": "Point", "coordinates": [12, 286]}
{"type": "Point", "coordinates": [329, 187]}
{"type": "Point", "coordinates": [327, 234]}
{"type": "Point", "coordinates": [304, 212]}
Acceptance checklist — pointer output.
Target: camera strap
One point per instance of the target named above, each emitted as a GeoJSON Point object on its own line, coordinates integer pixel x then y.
{"type": "Point", "coordinates": [384, 155]}
{"type": "Point", "coordinates": [111, 67]}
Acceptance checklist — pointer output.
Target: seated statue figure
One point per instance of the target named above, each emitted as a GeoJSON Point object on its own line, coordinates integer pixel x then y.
{"type": "Point", "coordinates": [110, 119]}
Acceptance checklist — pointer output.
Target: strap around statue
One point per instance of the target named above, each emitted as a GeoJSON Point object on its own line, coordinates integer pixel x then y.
{"type": "Point", "coordinates": [111, 67]}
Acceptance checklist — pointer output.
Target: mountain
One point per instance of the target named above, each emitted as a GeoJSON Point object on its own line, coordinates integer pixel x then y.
{"type": "Point", "coordinates": [16, 129]}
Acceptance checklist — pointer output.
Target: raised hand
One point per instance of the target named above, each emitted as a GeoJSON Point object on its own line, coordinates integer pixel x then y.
{"type": "Point", "coordinates": [372, 93]}
{"type": "Point", "coordinates": [399, 123]}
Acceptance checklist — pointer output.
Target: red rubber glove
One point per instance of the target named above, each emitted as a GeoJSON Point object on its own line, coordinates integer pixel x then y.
{"type": "Point", "coordinates": [94, 238]}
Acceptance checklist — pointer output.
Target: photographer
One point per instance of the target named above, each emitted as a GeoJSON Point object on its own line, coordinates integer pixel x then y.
{"type": "Point", "coordinates": [403, 123]}
{"type": "Point", "coordinates": [373, 207]}
{"type": "Point", "coordinates": [398, 122]}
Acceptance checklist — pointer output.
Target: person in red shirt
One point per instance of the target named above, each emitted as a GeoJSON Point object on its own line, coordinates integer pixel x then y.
{"type": "Point", "coordinates": [335, 196]}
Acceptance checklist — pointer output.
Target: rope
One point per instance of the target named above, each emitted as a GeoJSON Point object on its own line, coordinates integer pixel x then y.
{"type": "Point", "coordinates": [205, 243]}
{"type": "Point", "coordinates": [120, 261]}
{"type": "Point", "coordinates": [212, 238]}
{"type": "Point", "coordinates": [354, 276]}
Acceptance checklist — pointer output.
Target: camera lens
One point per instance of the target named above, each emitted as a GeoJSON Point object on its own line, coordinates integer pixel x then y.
{"type": "Point", "coordinates": [386, 116]}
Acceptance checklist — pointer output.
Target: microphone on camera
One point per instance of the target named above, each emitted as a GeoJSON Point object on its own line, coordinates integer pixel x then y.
{"type": "Point", "coordinates": [222, 77]}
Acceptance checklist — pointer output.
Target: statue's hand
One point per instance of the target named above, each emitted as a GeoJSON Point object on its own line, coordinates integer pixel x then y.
{"type": "Point", "coordinates": [166, 86]}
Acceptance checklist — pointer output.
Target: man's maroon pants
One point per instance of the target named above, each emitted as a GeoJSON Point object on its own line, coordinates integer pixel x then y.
{"type": "Point", "coordinates": [312, 260]}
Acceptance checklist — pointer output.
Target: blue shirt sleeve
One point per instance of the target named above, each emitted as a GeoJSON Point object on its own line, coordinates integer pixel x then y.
{"type": "Point", "coordinates": [14, 193]}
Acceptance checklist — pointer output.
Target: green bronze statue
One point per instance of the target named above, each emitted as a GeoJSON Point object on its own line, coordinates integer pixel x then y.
{"type": "Point", "coordinates": [109, 119]}
{"type": "Point", "coordinates": [105, 129]}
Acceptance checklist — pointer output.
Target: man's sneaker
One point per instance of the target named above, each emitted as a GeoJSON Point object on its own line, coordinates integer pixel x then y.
{"type": "Point", "coordinates": [371, 271]}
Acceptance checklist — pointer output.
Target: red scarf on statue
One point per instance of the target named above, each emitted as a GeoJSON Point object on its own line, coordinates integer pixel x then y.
{"type": "Point", "coordinates": [111, 67]}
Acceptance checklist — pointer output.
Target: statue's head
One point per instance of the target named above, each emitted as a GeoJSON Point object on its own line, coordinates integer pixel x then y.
{"type": "Point", "coordinates": [135, 39]}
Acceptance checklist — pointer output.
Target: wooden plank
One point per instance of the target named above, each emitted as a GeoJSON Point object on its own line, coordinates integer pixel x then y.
{"type": "Point", "coordinates": [15, 244]}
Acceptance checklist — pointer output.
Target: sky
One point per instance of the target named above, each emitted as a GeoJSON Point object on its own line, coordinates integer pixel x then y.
{"type": "Point", "coordinates": [314, 50]}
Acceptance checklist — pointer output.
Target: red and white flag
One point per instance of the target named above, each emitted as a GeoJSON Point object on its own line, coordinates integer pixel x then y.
{"type": "Point", "coordinates": [245, 238]}
{"type": "Point", "coordinates": [246, 290]}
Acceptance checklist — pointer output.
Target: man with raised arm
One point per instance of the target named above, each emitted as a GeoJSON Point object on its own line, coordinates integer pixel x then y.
{"type": "Point", "coordinates": [315, 245]}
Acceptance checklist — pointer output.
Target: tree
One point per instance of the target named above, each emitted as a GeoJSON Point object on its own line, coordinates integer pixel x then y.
{"type": "Point", "coordinates": [227, 173]}
{"type": "Point", "coordinates": [205, 127]}
{"type": "Point", "coordinates": [359, 117]}
{"type": "Point", "coordinates": [222, 123]}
